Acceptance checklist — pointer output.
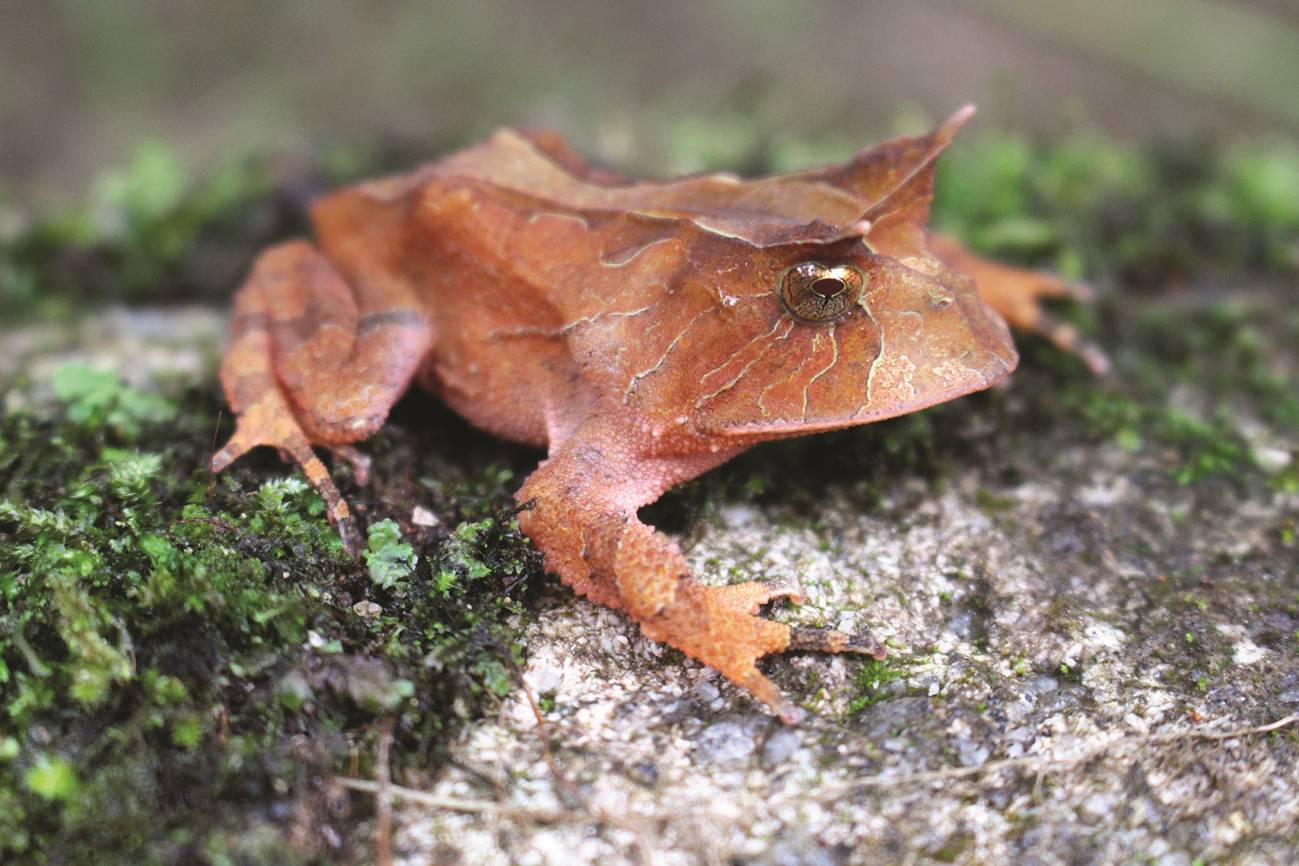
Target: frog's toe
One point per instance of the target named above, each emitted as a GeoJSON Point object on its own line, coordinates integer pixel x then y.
{"type": "Point", "coordinates": [229, 453]}
{"type": "Point", "coordinates": [359, 462]}
{"type": "Point", "coordinates": [749, 597]}
{"type": "Point", "coordinates": [752, 680]}
{"type": "Point", "coordinates": [282, 433]}
{"type": "Point", "coordinates": [1066, 337]}
{"type": "Point", "coordinates": [827, 640]}
{"type": "Point", "coordinates": [1081, 292]}
{"type": "Point", "coordinates": [335, 505]}
{"type": "Point", "coordinates": [1040, 284]}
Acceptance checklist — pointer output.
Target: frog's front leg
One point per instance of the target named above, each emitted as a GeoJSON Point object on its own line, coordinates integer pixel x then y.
{"type": "Point", "coordinates": [580, 510]}
{"type": "Point", "coordinates": [316, 360]}
{"type": "Point", "coordinates": [1017, 295]}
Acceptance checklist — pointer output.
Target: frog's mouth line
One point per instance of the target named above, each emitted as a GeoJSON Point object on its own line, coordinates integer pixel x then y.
{"type": "Point", "coordinates": [779, 429]}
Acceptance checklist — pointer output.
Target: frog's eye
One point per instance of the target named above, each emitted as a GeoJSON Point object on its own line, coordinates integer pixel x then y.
{"type": "Point", "coordinates": [815, 292]}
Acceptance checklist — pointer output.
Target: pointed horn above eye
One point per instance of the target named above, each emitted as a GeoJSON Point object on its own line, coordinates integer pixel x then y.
{"type": "Point", "coordinates": [874, 175]}
{"type": "Point", "coordinates": [893, 183]}
{"type": "Point", "coordinates": [959, 118]}
{"type": "Point", "coordinates": [926, 151]}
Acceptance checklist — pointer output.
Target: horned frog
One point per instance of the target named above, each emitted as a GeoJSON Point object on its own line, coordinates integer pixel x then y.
{"type": "Point", "coordinates": [642, 332]}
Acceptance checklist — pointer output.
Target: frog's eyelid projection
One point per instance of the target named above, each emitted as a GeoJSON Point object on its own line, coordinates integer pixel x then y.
{"type": "Point", "coordinates": [816, 292]}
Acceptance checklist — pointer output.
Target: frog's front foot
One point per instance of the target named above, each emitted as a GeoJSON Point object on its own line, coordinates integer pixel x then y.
{"type": "Point", "coordinates": [719, 626]}
{"type": "Point", "coordinates": [1017, 295]}
{"type": "Point", "coordinates": [582, 516]}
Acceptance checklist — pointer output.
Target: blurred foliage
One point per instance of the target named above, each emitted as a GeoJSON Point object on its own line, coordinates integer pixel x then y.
{"type": "Point", "coordinates": [1084, 205]}
{"type": "Point", "coordinates": [175, 654]}
{"type": "Point", "coordinates": [1147, 217]}
{"type": "Point", "coordinates": [147, 231]}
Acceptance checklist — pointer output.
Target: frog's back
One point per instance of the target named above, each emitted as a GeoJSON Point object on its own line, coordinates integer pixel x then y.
{"type": "Point", "coordinates": [436, 247]}
{"type": "Point", "coordinates": [522, 259]}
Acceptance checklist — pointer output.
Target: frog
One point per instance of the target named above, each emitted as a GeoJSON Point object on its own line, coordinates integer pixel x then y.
{"type": "Point", "coordinates": [641, 331]}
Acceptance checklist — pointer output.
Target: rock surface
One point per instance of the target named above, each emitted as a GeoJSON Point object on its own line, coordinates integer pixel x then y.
{"type": "Point", "coordinates": [1083, 653]}
{"type": "Point", "coordinates": [1055, 692]}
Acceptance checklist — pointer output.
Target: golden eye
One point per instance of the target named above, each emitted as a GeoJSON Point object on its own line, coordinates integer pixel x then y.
{"type": "Point", "coordinates": [815, 292]}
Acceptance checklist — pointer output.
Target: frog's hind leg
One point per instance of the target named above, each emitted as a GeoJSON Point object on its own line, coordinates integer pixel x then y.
{"type": "Point", "coordinates": [313, 361]}
{"type": "Point", "coordinates": [1017, 295]}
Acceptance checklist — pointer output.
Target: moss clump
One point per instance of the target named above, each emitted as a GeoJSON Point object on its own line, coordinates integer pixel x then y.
{"type": "Point", "coordinates": [872, 682]}
{"type": "Point", "coordinates": [178, 656]}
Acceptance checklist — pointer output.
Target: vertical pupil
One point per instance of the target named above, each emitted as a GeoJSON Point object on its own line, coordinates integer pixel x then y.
{"type": "Point", "coordinates": [827, 287]}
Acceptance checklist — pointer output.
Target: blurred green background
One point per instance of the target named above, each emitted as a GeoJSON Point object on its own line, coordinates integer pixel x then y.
{"type": "Point", "coordinates": [82, 82]}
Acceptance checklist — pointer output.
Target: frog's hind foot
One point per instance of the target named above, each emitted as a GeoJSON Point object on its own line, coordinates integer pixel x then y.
{"type": "Point", "coordinates": [264, 423]}
{"type": "Point", "coordinates": [316, 360]}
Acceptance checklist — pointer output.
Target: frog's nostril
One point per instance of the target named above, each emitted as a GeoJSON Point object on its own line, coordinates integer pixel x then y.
{"type": "Point", "coordinates": [940, 300]}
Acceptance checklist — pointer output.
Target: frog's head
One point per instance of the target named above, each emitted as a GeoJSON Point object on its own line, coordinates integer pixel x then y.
{"type": "Point", "coordinates": [748, 310]}
{"type": "Point", "coordinates": [860, 320]}
{"type": "Point", "coordinates": [855, 335]}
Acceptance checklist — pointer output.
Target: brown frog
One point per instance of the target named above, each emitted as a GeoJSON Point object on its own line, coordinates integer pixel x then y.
{"type": "Point", "coordinates": [643, 332]}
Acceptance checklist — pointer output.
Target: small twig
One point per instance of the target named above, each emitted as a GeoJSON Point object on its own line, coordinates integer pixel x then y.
{"type": "Point", "coordinates": [383, 797]}
{"type": "Point", "coordinates": [644, 851]}
{"type": "Point", "coordinates": [491, 807]}
{"type": "Point", "coordinates": [211, 476]}
{"type": "Point", "coordinates": [454, 804]}
{"type": "Point", "coordinates": [543, 730]}
{"type": "Point", "coordinates": [383, 786]}
{"type": "Point", "coordinates": [1042, 764]}
{"type": "Point", "coordinates": [639, 826]}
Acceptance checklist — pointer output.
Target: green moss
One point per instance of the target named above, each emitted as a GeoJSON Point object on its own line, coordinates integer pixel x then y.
{"type": "Point", "coordinates": [871, 682]}
{"type": "Point", "coordinates": [167, 641]}
{"type": "Point", "coordinates": [1206, 449]}
{"type": "Point", "coordinates": [388, 558]}
{"type": "Point", "coordinates": [52, 778]}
